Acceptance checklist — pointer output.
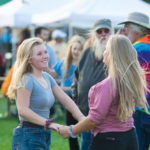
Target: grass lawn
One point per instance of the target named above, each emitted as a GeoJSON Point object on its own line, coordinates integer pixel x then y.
{"type": "Point", "coordinates": [8, 123]}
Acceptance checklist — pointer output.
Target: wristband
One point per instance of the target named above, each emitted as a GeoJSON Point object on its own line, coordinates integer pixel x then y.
{"type": "Point", "coordinates": [48, 122]}
{"type": "Point", "coordinates": [70, 132]}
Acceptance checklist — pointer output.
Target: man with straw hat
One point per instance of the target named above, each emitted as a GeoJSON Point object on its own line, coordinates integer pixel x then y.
{"type": "Point", "coordinates": [137, 28]}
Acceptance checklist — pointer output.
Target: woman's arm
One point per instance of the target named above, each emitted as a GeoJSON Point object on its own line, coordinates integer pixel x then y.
{"type": "Point", "coordinates": [23, 101]}
{"type": "Point", "coordinates": [69, 104]}
{"type": "Point", "coordinates": [84, 125]}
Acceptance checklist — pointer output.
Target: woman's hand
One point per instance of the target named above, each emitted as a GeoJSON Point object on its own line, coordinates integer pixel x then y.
{"type": "Point", "coordinates": [55, 126]}
{"type": "Point", "coordinates": [63, 131]}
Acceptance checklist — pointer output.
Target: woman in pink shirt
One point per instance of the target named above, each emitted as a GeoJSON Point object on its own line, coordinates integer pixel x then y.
{"type": "Point", "coordinates": [112, 101]}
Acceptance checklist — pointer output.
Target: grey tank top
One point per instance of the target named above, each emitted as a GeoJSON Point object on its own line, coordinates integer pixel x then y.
{"type": "Point", "coordinates": [41, 99]}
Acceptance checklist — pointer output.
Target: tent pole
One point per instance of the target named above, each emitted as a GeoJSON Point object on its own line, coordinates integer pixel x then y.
{"type": "Point", "coordinates": [32, 30]}
{"type": "Point", "coordinates": [14, 41]}
{"type": "Point", "coordinates": [70, 31]}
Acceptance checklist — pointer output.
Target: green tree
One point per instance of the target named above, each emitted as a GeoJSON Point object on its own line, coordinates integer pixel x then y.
{"type": "Point", "coordinates": [147, 1]}
{"type": "Point", "coordinates": [2, 2]}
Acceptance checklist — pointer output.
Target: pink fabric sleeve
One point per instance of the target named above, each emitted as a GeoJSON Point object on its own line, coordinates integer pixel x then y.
{"type": "Point", "coordinates": [100, 100]}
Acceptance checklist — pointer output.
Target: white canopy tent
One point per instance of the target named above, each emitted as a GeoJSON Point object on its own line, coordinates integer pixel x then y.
{"type": "Point", "coordinates": [82, 13]}
{"type": "Point", "coordinates": [19, 14]}
{"type": "Point", "coordinates": [8, 11]}
{"type": "Point", "coordinates": [78, 13]}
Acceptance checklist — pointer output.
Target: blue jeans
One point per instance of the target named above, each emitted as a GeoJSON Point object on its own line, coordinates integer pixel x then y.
{"type": "Point", "coordinates": [86, 138]}
{"type": "Point", "coordinates": [142, 124]}
{"type": "Point", "coordinates": [25, 138]}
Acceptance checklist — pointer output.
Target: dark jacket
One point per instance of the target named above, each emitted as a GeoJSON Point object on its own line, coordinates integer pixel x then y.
{"type": "Point", "coordinates": [88, 73]}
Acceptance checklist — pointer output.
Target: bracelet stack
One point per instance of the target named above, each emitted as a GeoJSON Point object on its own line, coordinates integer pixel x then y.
{"type": "Point", "coordinates": [70, 132]}
{"type": "Point", "coordinates": [48, 122]}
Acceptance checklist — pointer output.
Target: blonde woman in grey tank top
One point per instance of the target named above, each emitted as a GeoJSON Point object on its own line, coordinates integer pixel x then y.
{"type": "Point", "coordinates": [34, 92]}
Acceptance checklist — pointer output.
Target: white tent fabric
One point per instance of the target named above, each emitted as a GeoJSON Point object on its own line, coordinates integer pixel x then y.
{"type": "Point", "coordinates": [8, 11]}
{"type": "Point", "coordinates": [76, 13]}
{"type": "Point", "coordinates": [34, 7]}
{"type": "Point", "coordinates": [82, 13]}
{"type": "Point", "coordinates": [19, 14]}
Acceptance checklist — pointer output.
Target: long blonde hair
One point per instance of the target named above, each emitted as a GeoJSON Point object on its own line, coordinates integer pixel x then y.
{"type": "Point", "coordinates": [127, 75]}
{"type": "Point", "coordinates": [22, 65]}
{"type": "Point", "coordinates": [69, 57]}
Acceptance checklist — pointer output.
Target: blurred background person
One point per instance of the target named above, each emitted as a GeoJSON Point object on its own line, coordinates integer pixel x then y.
{"type": "Point", "coordinates": [137, 29]}
{"type": "Point", "coordinates": [24, 34]}
{"type": "Point", "coordinates": [64, 70]}
{"type": "Point", "coordinates": [89, 42]}
{"type": "Point", "coordinates": [43, 33]}
{"type": "Point", "coordinates": [2, 65]}
{"type": "Point", "coordinates": [5, 47]}
{"type": "Point", "coordinates": [90, 71]}
{"type": "Point", "coordinates": [121, 31]}
{"type": "Point", "coordinates": [58, 43]}
{"type": "Point", "coordinates": [5, 40]}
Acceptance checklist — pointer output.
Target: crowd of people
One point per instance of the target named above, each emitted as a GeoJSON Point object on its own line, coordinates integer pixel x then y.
{"type": "Point", "coordinates": [103, 83]}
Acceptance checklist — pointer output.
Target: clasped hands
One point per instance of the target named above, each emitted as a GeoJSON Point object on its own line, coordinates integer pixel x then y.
{"type": "Point", "coordinates": [61, 129]}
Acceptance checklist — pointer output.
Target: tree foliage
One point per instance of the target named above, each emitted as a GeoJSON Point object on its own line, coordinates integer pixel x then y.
{"type": "Point", "coordinates": [2, 2]}
{"type": "Point", "coordinates": [147, 1]}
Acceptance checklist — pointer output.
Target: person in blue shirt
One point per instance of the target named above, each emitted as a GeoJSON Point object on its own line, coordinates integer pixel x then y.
{"type": "Point", "coordinates": [64, 71]}
{"type": "Point", "coordinates": [5, 41]}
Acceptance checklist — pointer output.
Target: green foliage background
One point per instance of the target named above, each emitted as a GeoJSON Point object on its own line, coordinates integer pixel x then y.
{"type": "Point", "coordinates": [147, 1]}
{"type": "Point", "coordinates": [2, 2]}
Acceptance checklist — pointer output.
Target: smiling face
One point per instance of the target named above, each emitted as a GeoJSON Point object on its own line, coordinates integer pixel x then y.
{"type": "Point", "coordinates": [39, 59]}
{"type": "Point", "coordinates": [76, 50]}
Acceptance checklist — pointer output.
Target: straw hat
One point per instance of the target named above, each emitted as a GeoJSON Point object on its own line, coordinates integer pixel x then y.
{"type": "Point", "coordinates": [137, 18]}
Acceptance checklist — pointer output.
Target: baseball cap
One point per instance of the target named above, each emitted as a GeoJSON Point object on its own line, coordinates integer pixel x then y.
{"type": "Point", "coordinates": [102, 23]}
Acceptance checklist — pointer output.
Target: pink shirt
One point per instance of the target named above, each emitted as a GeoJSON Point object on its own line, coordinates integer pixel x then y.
{"type": "Point", "coordinates": [103, 109]}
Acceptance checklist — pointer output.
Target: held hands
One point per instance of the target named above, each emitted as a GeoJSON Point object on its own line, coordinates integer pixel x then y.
{"type": "Point", "coordinates": [62, 130]}
{"type": "Point", "coordinates": [55, 126]}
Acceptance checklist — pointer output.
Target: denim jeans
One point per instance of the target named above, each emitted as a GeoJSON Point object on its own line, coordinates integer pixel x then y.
{"type": "Point", "coordinates": [142, 124]}
{"type": "Point", "coordinates": [86, 138]}
{"type": "Point", "coordinates": [25, 138]}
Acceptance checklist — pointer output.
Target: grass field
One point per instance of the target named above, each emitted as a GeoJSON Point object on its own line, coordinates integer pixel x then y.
{"type": "Point", "coordinates": [8, 123]}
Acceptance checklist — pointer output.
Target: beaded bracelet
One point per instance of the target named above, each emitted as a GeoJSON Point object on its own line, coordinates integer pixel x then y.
{"type": "Point", "coordinates": [48, 122]}
{"type": "Point", "coordinates": [70, 132]}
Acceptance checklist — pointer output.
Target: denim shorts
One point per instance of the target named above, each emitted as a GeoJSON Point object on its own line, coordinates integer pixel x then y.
{"type": "Point", "coordinates": [25, 138]}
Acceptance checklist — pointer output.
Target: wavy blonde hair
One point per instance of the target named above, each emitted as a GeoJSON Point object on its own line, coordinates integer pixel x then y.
{"type": "Point", "coordinates": [127, 75]}
{"type": "Point", "coordinates": [69, 57]}
{"type": "Point", "coordinates": [22, 65]}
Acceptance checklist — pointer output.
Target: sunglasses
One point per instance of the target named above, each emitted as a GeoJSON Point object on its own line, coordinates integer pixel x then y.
{"type": "Point", "coordinates": [99, 31]}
